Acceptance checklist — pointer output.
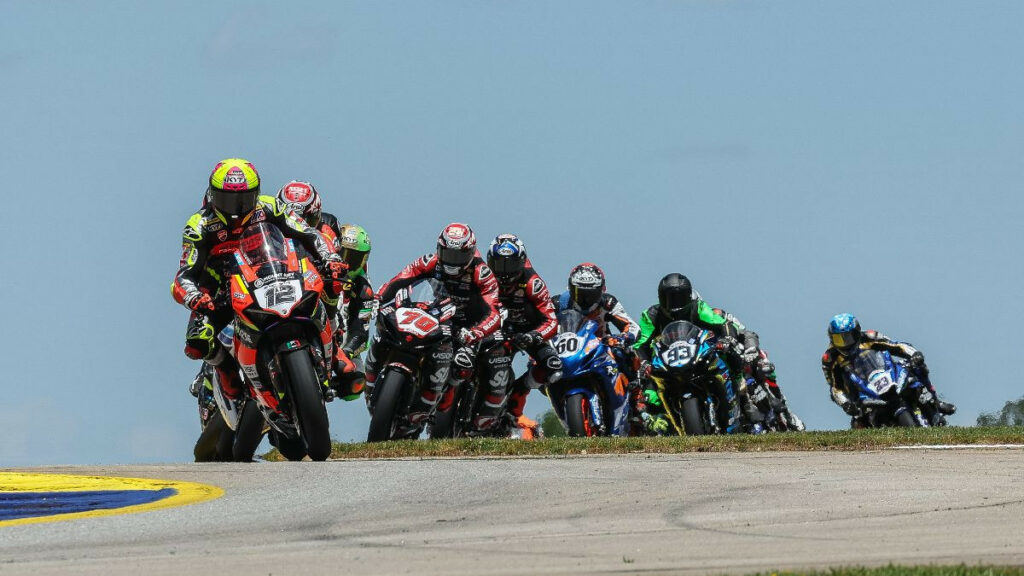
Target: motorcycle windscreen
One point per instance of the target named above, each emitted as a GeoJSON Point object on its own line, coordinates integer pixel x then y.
{"type": "Point", "coordinates": [870, 367]}
{"type": "Point", "coordinates": [278, 286]}
{"type": "Point", "coordinates": [262, 244]}
{"type": "Point", "coordinates": [424, 292]}
{"type": "Point", "coordinates": [570, 320]}
{"type": "Point", "coordinates": [681, 331]}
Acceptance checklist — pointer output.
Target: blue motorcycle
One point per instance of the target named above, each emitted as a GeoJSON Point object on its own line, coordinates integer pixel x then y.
{"type": "Point", "coordinates": [888, 393]}
{"type": "Point", "coordinates": [685, 365]}
{"type": "Point", "coordinates": [590, 399]}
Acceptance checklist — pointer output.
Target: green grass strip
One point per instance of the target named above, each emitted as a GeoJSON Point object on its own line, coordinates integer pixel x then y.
{"type": "Point", "coordinates": [840, 440]}
{"type": "Point", "coordinates": [892, 570]}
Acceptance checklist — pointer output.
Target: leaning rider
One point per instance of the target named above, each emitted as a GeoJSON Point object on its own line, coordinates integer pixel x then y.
{"type": "Point", "coordinates": [676, 301]}
{"type": "Point", "coordinates": [530, 321]}
{"type": "Point", "coordinates": [846, 336]}
{"type": "Point", "coordinates": [457, 264]}
{"type": "Point", "coordinates": [352, 243]}
{"type": "Point", "coordinates": [208, 244]}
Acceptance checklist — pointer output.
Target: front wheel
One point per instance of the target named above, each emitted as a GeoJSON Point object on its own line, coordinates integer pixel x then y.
{"type": "Point", "coordinates": [388, 394]}
{"type": "Point", "coordinates": [906, 419]}
{"type": "Point", "coordinates": [577, 415]}
{"type": "Point", "coordinates": [309, 403]}
{"type": "Point", "coordinates": [693, 423]}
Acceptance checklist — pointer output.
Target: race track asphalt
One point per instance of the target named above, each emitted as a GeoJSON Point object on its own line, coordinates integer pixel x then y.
{"type": "Point", "coordinates": [692, 513]}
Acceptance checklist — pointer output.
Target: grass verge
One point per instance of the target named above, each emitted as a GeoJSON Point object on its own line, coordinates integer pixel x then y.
{"type": "Point", "coordinates": [839, 440]}
{"type": "Point", "coordinates": [892, 570]}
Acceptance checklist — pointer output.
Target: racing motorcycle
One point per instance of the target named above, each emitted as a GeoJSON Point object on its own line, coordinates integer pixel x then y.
{"type": "Point", "coordinates": [412, 328]}
{"type": "Point", "coordinates": [283, 343]}
{"type": "Point", "coordinates": [889, 394]}
{"type": "Point", "coordinates": [590, 398]}
{"type": "Point", "coordinates": [683, 367]}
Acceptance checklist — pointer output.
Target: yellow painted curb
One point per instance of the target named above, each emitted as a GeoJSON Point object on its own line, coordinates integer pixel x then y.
{"type": "Point", "coordinates": [187, 493]}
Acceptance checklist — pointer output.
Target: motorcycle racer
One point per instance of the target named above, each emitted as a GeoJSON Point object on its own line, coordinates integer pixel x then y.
{"type": "Point", "coordinates": [587, 294]}
{"type": "Point", "coordinates": [762, 369]}
{"type": "Point", "coordinates": [209, 240]}
{"type": "Point", "coordinates": [846, 336]}
{"type": "Point", "coordinates": [357, 311]}
{"type": "Point", "coordinates": [676, 302]}
{"type": "Point", "coordinates": [472, 287]}
{"type": "Point", "coordinates": [530, 323]}
{"type": "Point", "coordinates": [353, 245]}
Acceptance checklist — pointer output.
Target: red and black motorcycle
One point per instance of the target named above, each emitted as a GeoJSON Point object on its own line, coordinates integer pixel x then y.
{"type": "Point", "coordinates": [411, 329]}
{"type": "Point", "coordinates": [283, 340]}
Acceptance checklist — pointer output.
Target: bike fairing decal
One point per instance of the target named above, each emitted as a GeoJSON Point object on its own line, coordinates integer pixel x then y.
{"type": "Point", "coordinates": [28, 498]}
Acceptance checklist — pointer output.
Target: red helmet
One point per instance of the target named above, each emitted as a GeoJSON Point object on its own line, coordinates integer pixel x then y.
{"type": "Point", "coordinates": [456, 247]}
{"type": "Point", "coordinates": [586, 285]}
{"type": "Point", "coordinates": [303, 198]}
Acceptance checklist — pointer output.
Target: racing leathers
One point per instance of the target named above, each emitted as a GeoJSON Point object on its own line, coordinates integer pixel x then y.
{"type": "Point", "coordinates": [730, 392]}
{"type": "Point", "coordinates": [530, 324]}
{"type": "Point", "coordinates": [207, 263]}
{"type": "Point", "coordinates": [356, 313]}
{"type": "Point", "coordinates": [476, 323]}
{"type": "Point", "coordinates": [836, 366]}
{"type": "Point", "coordinates": [609, 310]}
{"type": "Point", "coordinates": [351, 313]}
{"type": "Point", "coordinates": [760, 370]}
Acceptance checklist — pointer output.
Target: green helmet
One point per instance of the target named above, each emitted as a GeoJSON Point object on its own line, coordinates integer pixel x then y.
{"type": "Point", "coordinates": [355, 249]}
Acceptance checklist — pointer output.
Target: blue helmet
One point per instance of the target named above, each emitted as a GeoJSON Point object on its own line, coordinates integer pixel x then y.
{"type": "Point", "coordinates": [844, 332]}
{"type": "Point", "coordinates": [506, 257]}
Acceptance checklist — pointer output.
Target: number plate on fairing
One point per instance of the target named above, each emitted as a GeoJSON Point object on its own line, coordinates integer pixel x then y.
{"type": "Point", "coordinates": [416, 322]}
{"type": "Point", "coordinates": [678, 354]}
{"type": "Point", "coordinates": [568, 344]}
{"type": "Point", "coordinates": [280, 296]}
{"type": "Point", "coordinates": [880, 383]}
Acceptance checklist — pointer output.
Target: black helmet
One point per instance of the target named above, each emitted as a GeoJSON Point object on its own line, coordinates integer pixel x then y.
{"type": "Point", "coordinates": [674, 294]}
{"type": "Point", "coordinates": [507, 257]}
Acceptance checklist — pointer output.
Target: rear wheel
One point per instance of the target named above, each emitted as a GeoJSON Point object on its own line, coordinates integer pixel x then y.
{"type": "Point", "coordinates": [388, 393]}
{"type": "Point", "coordinates": [693, 423]}
{"type": "Point", "coordinates": [906, 419]}
{"type": "Point", "coordinates": [214, 444]}
{"type": "Point", "coordinates": [577, 415]}
{"type": "Point", "coordinates": [309, 403]}
{"type": "Point", "coordinates": [249, 433]}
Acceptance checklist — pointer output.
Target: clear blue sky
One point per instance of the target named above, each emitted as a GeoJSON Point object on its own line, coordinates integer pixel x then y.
{"type": "Point", "coordinates": [795, 159]}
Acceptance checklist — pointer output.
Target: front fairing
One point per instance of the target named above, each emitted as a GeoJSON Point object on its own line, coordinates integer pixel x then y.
{"type": "Point", "coordinates": [877, 375]}
{"type": "Point", "coordinates": [683, 356]}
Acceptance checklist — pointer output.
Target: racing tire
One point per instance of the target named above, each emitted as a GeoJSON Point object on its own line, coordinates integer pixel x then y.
{"type": "Point", "coordinates": [309, 403]}
{"type": "Point", "coordinates": [249, 433]}
{"type": "Point", "coordinates": [293, 449]}
{"type": "Point", "coordinates": [443, 425]}
{"type": "Point", "coordinates": [693, 423]}
{"type": "Point", "coordinates": [388, 394]}
{"type": "Point", "coordinates": [906, 420]}
{"type": "Point", "coordinates": [577, 416]}
{"type": "Point", "coordinates": [214, 443]}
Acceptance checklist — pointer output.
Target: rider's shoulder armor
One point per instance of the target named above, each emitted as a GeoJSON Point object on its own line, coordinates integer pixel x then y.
{"type": "Point", "coordinates": [828, 357]}
{"type": "Point", "coordinates": [608, 301]}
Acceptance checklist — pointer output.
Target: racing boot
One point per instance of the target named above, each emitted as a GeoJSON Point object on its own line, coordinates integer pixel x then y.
{"type": "Point", "coordinates": [348, 381]}
{"type": "Point", "coordinates": [753, 419]}
{"type": "Point", "coordinates": [946, 408]}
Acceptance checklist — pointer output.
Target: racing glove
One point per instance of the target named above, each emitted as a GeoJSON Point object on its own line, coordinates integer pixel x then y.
{"type": "Point", "coordinates": [198, 301]}
{"type": "Point", "coordinates": [611, 341]}
{"type": "Point", "coordinates": [655, 424]}
{"type": "Point", "coordinates": [526, 340]}
{"type": "Point", "coordinates": [468, 337]}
